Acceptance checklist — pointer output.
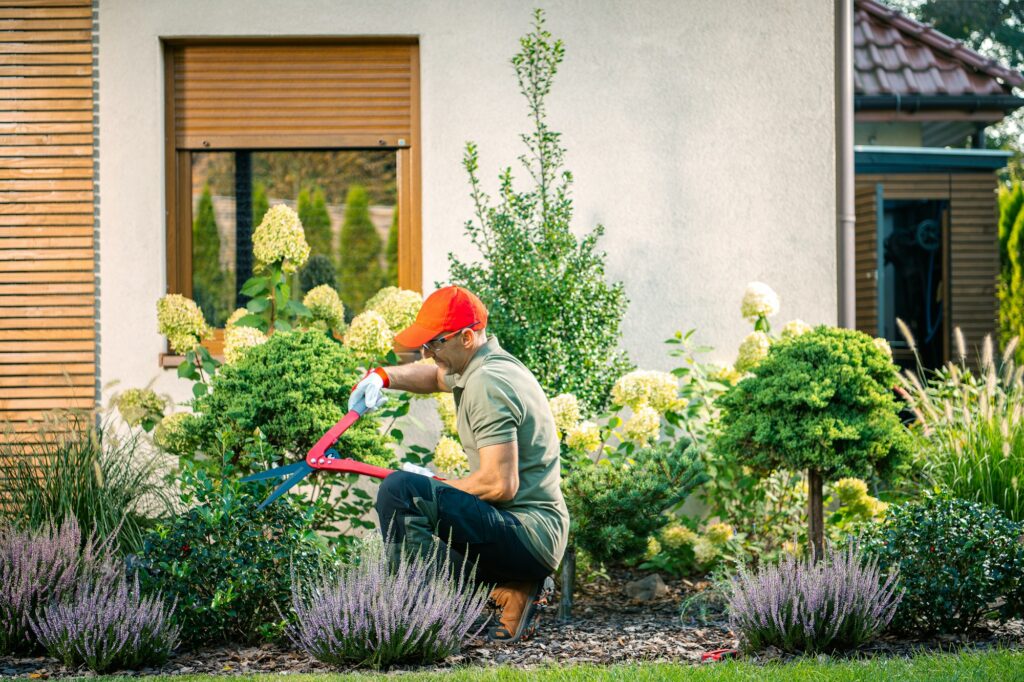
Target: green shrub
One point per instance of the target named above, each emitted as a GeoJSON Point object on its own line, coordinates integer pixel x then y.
{"type": "Point", "coordinates": [549, 303]}
{"type": "Point", "coordinates": [614, 508]}
{"type": "Point", "coordinates": [360, 274]}
{"type": "Point", "coordinates": [317, 270]}
{"type": "Point", "coordinates": [1011, 263]}
{"type": "Point", "coordinates": [228, 565]}
{"type": "Point", "coordinates": [316, 221]}
{"type": "Point", "coordinates": [956, 558]}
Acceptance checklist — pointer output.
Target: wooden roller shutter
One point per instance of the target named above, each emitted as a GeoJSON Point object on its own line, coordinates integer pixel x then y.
{"type": "Point", "coordinates": [974, 256]}
{"type": "Point", "coordinates": [866, 257]}
{"type": "Point", "coordinates": [47, 285]}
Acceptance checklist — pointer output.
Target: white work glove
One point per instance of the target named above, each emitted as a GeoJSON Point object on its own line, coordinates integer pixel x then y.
{"type": "Point", "coordinates": [417, 469]}
{"type": "Point", "coordinates": [369, 390]}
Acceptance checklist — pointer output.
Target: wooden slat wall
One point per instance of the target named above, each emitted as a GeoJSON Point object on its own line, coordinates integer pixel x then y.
{"type": "Point", "coordinates": [974, 253]}
{"type": "Point", "coordinates": [287, 96]}
{"type": "Point", "coordinates": [47, 285]}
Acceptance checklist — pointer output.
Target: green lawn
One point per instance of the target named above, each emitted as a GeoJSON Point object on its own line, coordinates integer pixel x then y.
{"type": "Point", "coordinates": [1000, 666]}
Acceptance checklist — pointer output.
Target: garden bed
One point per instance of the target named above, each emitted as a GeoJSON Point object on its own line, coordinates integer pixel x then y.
{"type": "Point", "coordinates": [608, 628]}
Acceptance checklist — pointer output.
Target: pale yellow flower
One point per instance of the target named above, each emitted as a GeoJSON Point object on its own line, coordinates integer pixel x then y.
{"type": "Point", "coordinates": [181, 321]}
{"type": "Point", "coordinates": [678, 536]}
{"type": "Point", "coordinates": [725, 375]}
{"type": "Point", "coordinates": [719, 533]}
{"type": "Point", "coordinates": [325, 304]}
{"type": "Point", "coordinates": [653, 548]}
{"type": "Point", "coordinates": [280, 239]}
{"type": "Point", "coordinates": [235, 317]}
{"type": "Point", "coordinates": [237, 340]}
{"type": "Point", "coordinates": [583, 437]}
{"type": "Point", "coordinates": [705, 551]}
{"type": "Point", "coordinates": [659, 390]}
{"type": "Point", "coordinates": [759, 300]}
{"type": "Point", "coordinates": [369, 336]}
{"type": "Point", "coordinates": [397, 306]}
{"type": "Point", "coordinates": [446, 411]}
{"type": "Point", "coordinates": [169, 434]}
{"type": "Point", "coordinates": [643, 427]}
{"type": "Point", "coordinates": [565, 409]}
{"type": "Point", "coordinates": [883, 345]}
{"type": "Point", "coordinates": [449, 457]}
{"type": "Point", "coordinates": [850, 490]}
{"type": "Point", "coordinates": [795, 328]}
{"type": "Point", "coordinates": [753, 350]}
{"type": "Point", "coordinates": [137, 404]}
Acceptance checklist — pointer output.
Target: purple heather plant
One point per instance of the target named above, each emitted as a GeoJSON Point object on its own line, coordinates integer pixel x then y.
{"type": "Point", "coordinates": [108, 625]}
{"type": "Point", "coordinates": [801, 606]}
{"type": "Point", "coordinates": [39, 567]}
{"type": "Point", "coordinates": [372, 613]}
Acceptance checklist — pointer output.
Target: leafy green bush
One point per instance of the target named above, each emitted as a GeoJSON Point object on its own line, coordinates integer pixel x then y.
{"type": "Point", "coordinates": [615, 508]}
{"type": "Point", "coordinates": [227, 565]}
{"type": "Point", "coordinates": [955, 558]}
{"type": "Point", "coordinates": [317, 270]}
{"type": "Point", "coordinates": [545, 290]}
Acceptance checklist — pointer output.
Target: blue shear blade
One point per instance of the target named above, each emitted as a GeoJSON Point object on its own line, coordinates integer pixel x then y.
{"type": "Point", "coordinates": [276, 472]}
{"type": "Point", "coordinates": [280, 490]}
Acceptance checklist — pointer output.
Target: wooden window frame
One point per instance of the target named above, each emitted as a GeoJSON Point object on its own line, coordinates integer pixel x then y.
{"type": "Point", "coordinates": [178, 176]}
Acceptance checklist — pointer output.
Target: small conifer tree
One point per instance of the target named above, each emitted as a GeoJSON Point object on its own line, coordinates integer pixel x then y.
{"type": "Point", "coordinates": [1011, 264]}
{"type": "Point", "coordinates": [360, 274]}
{"type": "Point", "coordinates": [260, 203]}
{"type": "Point", "coordinates": [208, 280]}
{"type": "Point", "coordinates": [316, 221]}
{"type": "Point", "coordinates": [391, 252]}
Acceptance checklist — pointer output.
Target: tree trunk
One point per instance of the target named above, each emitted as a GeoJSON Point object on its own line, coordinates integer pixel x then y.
{"type": "Point", "coordinates": [568, 583]}
{"type": "Point", "coordinates": [815, 515]}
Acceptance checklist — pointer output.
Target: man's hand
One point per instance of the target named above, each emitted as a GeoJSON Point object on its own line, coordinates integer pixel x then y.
{"type": "Point", "coordinates": [369, 390]}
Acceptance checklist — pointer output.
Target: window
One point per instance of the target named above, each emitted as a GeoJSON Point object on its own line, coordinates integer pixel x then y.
{"type": "Point", "coordinates": [326, 127]}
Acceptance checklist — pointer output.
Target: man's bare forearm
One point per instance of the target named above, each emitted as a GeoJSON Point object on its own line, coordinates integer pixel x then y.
{"type": "Point", "coordinates": [415, 378]}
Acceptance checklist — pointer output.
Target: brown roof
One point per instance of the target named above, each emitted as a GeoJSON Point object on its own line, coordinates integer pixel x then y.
{"type": "Point", "coordinates": [896, 55]}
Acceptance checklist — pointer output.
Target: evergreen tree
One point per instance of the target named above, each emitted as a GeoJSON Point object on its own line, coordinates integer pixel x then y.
{"type": "Point", "coordinates": [359, 274]}
{"type": "Point", "coordinates": [1011, 271]}
{"type": "Point", "coordinates": [391, 252]}
{"type": "Point", "coordinates": [316, 221]}
{"type": "Point", "coordinates": [260, 203]}
{"type": "Point", "coordinates": [208, 281]}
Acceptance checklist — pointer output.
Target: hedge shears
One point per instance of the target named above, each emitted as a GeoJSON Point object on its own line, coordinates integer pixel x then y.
{"type": "Point", "coordinates": [321, 457]}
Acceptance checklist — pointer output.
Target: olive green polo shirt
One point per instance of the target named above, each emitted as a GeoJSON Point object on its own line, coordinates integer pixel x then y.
{"type": "Point", "coordinates": [498, 400]}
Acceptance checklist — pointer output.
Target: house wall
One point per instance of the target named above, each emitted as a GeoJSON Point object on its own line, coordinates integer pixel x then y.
{"type": "Point", "coordinates": [700, 133]}
{"type": "Point", "coordinates": [888, 134]}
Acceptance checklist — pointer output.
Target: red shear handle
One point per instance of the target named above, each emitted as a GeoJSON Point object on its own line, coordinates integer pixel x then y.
{"type": "Point", "coordinates": [349, 466]}
{"type": "Point", "coordinates": [331, 437]}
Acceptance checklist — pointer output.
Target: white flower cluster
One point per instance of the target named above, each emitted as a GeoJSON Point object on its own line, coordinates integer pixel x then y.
{"type": "Point", "coordinates": [566, 410]}
{"type": "Point", "coordinates": [235, 317]}
{"type": "Point", "coordinates": [180, 320]}
{"type": "Point", "coordinates": [369, 336]}
{"type": "Point", "coordinates": [239, 339]}
{"type": "Point", "coordinates": [449, 457]}
{"type": "Point", "coordinates": [883, 345]}
{"type": "Point", "coordinates": [659, 390]}
{"type": "Point", "coordinates": [643, 427]}
{"type": "Point", "coordinates": [583, 437]}
{"type": "Point", "coordinates": [753, 350]}
{"type": "Point", "coordinates": [725, 375]}
{"type": "Point", "coordinates": [795, 328]}
{"type": "Point", "coordinates": [398, 307]}
{"type": "Point", "coordinates": [759, 300]}
{"type": "Point", "coordinates": [446, 411]}
{"type": "Point", "coordinates": [169, 433]}
{"type": "Point", "coordinates": [325, 305]}
{"type": "Point", "coordinates": [280, 239]}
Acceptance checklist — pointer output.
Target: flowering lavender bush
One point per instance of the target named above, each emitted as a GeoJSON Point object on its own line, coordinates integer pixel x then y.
{"type": "Point", "coordinates": [374, 614]}
{"type": "Point", "coordinates": [39, 567]}
{"type": "Point", "coordinates": [107, 624]}
{"type": "Point", "coordinates": [837, 603]}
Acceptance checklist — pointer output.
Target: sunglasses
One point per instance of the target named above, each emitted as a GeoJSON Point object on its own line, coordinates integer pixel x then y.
{"type": "Point", "coordinates": [434, 345]}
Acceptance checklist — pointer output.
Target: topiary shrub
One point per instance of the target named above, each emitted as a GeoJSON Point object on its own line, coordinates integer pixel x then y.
{"type": "Point", "coordinates": [228, 565]}
{"type": "Point", "coordinates": [615, 508]}
{"type": "Point", "coordinates": [823, 402]}
{"type": "Point", "coordinates": [956, 559]}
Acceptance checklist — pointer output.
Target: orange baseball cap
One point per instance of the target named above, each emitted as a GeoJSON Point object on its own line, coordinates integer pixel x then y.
{"type": "Point", "coordinates": [446, 310]}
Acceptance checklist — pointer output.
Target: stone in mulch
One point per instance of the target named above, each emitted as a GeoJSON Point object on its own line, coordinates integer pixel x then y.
{"type": "Point", "coordinates": [607, 627]}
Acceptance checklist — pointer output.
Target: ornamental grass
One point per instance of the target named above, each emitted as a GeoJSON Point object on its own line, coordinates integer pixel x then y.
{"type": "Point", "coordinates": [800, 606]}
{"type": "Point", "coordinates": [370, 613]}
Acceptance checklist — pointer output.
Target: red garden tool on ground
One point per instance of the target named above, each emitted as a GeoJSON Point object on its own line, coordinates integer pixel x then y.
{"type": "Point", "coordinates": [321, 457]}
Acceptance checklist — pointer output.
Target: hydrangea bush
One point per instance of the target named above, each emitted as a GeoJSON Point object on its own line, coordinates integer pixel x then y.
{"type": "Point", "coordinates": [398, 307]}
{"type": "Point", "coordinates": [369, 336]}
{"type": "Point", "coordinates": [325, 305]}
{"type": "Point", "coordinates": [372, 613]}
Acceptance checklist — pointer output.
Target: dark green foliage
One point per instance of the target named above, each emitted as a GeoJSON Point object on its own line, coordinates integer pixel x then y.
{"type": "Point", "coordinates": [820, 401]}
{"type": "Point", "coordinates": [391, 253]}
{"type": "Point", "coordinates": [1011, 259]}
{"type": "Point", "coordinates": [614, 508]}
{"type": "Point", "coordinates": [260, 203]}
{"type": "Point", "coordinates": [209, 282]}
{"type": "Point", "coordinates": [545, 289]}
{"type": "Point", "coordinates": [316, 221]}
{"type": "Point", "coordinates": [318, 270]}
{"type": "Point", "coordinates": [956, 558]}
{"type": "Point", "coordinates": [359, 274]}
{"type": "Point", "coordinates": [293, 388]}
{"type": "Point", "coordinates": [228, 565]}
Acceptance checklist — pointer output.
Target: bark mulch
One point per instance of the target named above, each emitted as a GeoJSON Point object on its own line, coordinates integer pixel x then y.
{"type": "Point", "coordinates": [607, 628]}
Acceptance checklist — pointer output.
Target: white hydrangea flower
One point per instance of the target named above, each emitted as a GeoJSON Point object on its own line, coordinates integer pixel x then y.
{"type": "Point", "coordinates": [659, 390]}
{"type": "Point", "coordinates": [235, 317]}
{"type": "Point", "coordinates": [753, 350]}
{"type": "Point", "coordinates": [725, 374]}
{"type": "Point", "coordinates": [719, 533]}
{"type": "Point", "coordinates": [677, 536]}
{"type": "Point", "coordinates": [795, 328]}
{"type": "Point", "coordinates": [325, 305]}
{"type": "Point", "coordinates": [397, 306]}
{"type": "Point", "coordinates": [449, 457]}
{"type": "Point", "coordinates": [705, 551]}
{"type": "Point", "coordinates": [583, 437]}
{"type": "Point", "coordinates": [181, 321]}
{"type": "Point", "coordinates": [280, 239]}
{"type": "Point", "coordinates": [759, 300]}
{"type": "Point", "coordinates": [169, 435]}
{"type": "Point", "coordinates": [238, 339]}
{"type": "Point", "coordinates": [643, 427]}
{"type": "Point", "coordinates": [447, 412]}
{"type": "Point", "coordinates": [369, 336]}
{"type": "Point", "coordinates": [566, 410]}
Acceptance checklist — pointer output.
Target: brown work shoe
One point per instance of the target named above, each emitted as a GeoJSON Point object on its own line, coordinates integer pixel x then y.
{"type": "Point", "coordinates": [518, 602]}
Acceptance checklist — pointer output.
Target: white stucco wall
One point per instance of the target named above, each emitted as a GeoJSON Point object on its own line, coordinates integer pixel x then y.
{"type": "Point", "coordinates": [700, 132]}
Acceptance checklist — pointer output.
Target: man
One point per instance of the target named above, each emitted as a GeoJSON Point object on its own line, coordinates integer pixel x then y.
{"type": "Point", "coordinates": [507, 516]}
